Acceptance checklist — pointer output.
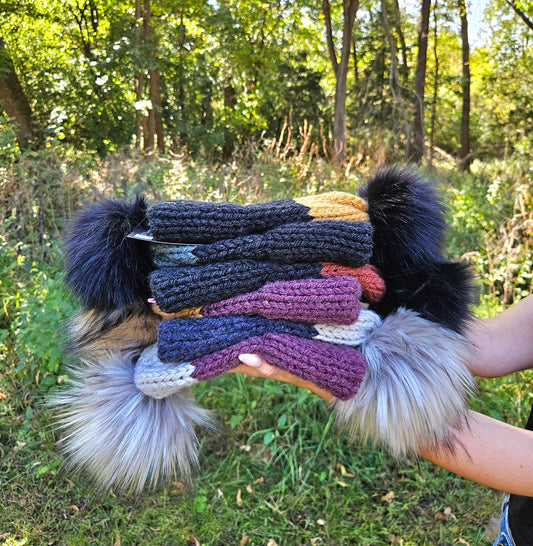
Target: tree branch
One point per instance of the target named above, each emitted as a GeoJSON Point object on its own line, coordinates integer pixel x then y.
{"type": "Point", "coordinates": [520, 14]}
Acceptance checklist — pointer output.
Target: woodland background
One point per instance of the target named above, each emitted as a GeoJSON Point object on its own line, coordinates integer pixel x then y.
{"type": "Point", "coordinates": [247, 101]}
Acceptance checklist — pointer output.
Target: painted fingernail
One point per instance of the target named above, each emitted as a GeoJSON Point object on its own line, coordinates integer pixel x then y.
{"type": "Point", "coordinates": [250, 360]}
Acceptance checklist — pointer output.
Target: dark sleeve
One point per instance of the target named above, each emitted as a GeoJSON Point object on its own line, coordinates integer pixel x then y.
{"type": "Point", "coordinates": [521, 511]}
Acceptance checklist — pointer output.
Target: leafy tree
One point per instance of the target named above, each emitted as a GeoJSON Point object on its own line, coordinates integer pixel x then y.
{"type": "Point", "coordinates": [340, 69]}
{"type": "Point", "coordinates": [524, 10]}
{"type": "Point", "coordinates": [503, 91]}
{"type": "Point", "coordinates": [209, 77]}
{"type": "Point", "coordinates": [13, 99]}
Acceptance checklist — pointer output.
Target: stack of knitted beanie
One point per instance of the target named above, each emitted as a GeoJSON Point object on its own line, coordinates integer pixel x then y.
{"type": "Point", "coordinates": [283, 279]}
{"type": "Point", "coordinates": [304, 283]}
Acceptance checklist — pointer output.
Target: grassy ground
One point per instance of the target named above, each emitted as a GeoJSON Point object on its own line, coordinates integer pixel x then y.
{"type": "Point", "coordinates": [276, 473]}
{"type": "Point", "coordinates": [280, 476]}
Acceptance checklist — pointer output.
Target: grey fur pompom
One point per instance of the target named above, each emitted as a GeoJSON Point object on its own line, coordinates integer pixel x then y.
{"type": "Point", "coordinates": [123, 439]}
{"type": "Point", "coordinates": [416, 386]}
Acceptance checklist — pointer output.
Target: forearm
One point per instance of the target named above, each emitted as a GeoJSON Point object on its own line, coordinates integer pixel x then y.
{"type": "Point", "coordinates": [485, 450]}
{"type": "Point", "coordinates": [491, 453]}
{"type": "Point", "coordinates": [503, 344]}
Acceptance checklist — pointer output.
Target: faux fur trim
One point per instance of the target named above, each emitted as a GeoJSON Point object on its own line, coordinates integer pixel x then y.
{"type": "Point", "coordinates": [91, 335]}
{"type": "Point", "coordinates": [407, 215]}
{"type": "Point", "coordinates": [105, 268]}
{"type": "Point", "coordinates": [416, 387]}
{"type": "Point", "coordinates": [123, 439]}
{"type": "Point", "coordinates": [442, 293]}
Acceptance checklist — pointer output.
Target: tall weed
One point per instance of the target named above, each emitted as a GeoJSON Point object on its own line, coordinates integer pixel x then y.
{"type": "Point", "coordinates": [491, 220]}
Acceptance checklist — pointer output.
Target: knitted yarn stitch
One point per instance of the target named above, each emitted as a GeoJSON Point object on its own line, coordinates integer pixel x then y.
{"type": "Point", "coordinates": [352, 334]}
{"type": "Point", "coordinates": [335, 205]}
{"type": "Point", "coordinates": [368, 276]}
{"type": "Point", "coordinates": [201, 222]}
{"type": "Point", "coordinates": [335, 300]}
{"type": "Point", "coordinates": [177, 288]}
{"type": "Point", "coordinates": [347, 243]}
{"type": "Point", "coordinates": [159, 379]}
{"type": "Point", "coordinates": [181, 340]}
{"type": "Point", "coordinates": [338, 369]}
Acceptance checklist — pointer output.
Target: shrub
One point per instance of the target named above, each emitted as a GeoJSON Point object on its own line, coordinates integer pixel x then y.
{"type": "Point", "coordinates": [491, 224]}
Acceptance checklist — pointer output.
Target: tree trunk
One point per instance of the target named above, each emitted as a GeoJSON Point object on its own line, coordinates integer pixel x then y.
{"type": "Point", "coordinates": [340, 69]}
{"type": "Point", "coordinates": [394, 75]}
{"type": "Point", "coordinates": [416, 152]}
{"type": "Point", "coordinates": [466, 157]}
{"type": "Point", "coordinates": [139, 78]}
{"type": "Point", "coordinates": [230, 101]}
{"type": "Point", "coordinates": [157, 107]}
{"type": "Point", "coordinates": [149, 125]}
{"type": "Point", "coordinates": [153, 127]}
{"type": "Point", "coordinates": [435, 85]}
{"type": "Point", "coordinates": [13, 100]}
{"type": "Point", "coordinates": [404, 70]}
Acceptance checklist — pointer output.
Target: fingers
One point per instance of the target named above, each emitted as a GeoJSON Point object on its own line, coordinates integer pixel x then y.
{"type": "Point", "coordinates": [251, 360]}
{"type": "Point", "coordinates": [255, 366]}
{"type": "Point", "coordinates": [263, 367]}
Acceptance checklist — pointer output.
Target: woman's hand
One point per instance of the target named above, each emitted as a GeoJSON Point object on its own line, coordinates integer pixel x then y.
{"type": "Point", "coordinates": [255, 366]}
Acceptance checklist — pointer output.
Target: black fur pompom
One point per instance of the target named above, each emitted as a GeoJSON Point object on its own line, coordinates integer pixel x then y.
{"type": "Point", "coordinates": [409, 235]}
{"type": "Point", "coordinates": [105, 269]}
{"type": "Point", "coordinates": [441, 293]}
{"type": "Point", "coordinates": [408, 220]}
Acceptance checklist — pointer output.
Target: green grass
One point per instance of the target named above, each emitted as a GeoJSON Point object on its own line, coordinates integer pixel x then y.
{"type": "Point", "coordinates": [283, 473]}
{"type": "Point", "coordinates": [276, 472]}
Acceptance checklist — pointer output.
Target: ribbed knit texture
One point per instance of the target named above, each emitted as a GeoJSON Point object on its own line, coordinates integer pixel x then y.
{"type": "Point", "coordinates": [338, 369]}
{"type": "Point", "coordinates": [352, 334]}
{"type": "Point", "coordinates": [347, 243]}
{"type": "Point", "coordinates": [335, 205]}
{"type": "Point", "coordinates": [255, 277]}
{"type": "Point", "coordinates": [368, 276]}
{"type": "Point", "coordinates": [177, 288]}
{"type": "Point", "coordinates": [200, 222]}
{"type": "Point", "coordinates": [334, 300]}
{"type": "Point", "coordinates": [181, 340]}
{"type": "Point", "coordinates": [158, 379]}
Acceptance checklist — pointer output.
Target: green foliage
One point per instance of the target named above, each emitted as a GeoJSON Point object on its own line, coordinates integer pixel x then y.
{"type": "Point", "coordinates": [502, 95]}
{"type": "Point", "coordinates": [228, 72]}
{"type": "Point", "coordinates": [278, 469]}
{"type": "Point", "coordinates": [35, 305]}
{"type": "Point", "coordinates": [8, 142]}
{"type": "Point", "coordinates": [490, 215]}
{"type": "Point", "coordinates": [36, 199]}
{"type": "Point", "coordinates": [38, 323]}
{"type": "Point", "coordinates": [233, 72]}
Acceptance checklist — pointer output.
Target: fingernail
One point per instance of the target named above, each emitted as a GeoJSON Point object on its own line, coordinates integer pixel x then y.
{"type": "Point", "coordinates": [250, 360]}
